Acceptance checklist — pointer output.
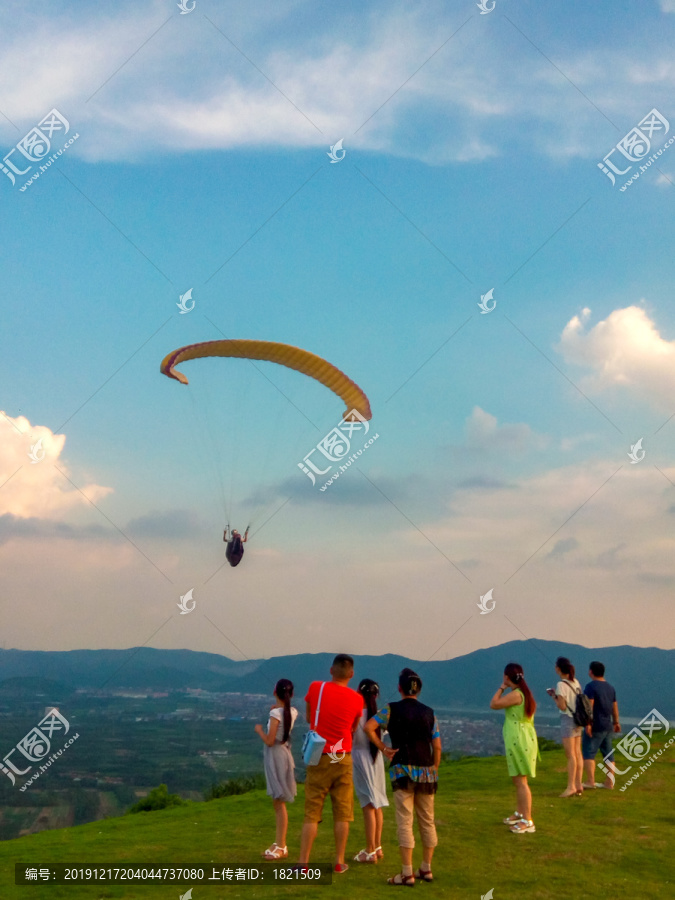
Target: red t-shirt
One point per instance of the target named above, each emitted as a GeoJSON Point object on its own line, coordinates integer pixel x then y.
{"type": "Point", "coordinates": [340, 708]}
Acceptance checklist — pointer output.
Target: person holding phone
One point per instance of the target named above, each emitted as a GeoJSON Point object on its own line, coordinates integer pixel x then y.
{"type": "Point", "coordinates": [520, 742]}
{"type": "Point", "coordinates": [565, 695]}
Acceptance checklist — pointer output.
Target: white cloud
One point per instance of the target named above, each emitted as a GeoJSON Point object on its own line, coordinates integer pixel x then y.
{"type": "Point", "coordinates": [483, 432]}
{"type": "Point", "coordinates": [626, 350]}
{"type": "Point", "coordinates": [668, 6]}
{"type": "Point", "coordinates": [622, 525]}
{"type": "Point", "coordinates": [37, 489]}
{"type": "Point", "coordinates": [187, 88]}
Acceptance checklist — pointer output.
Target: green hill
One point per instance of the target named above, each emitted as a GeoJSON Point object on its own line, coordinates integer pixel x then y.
{"type": "Point", "coordinates": [604, 844]}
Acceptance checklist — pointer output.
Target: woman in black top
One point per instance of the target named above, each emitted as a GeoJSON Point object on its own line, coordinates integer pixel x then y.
{"type": "Point", "coordinates": [416, 744]}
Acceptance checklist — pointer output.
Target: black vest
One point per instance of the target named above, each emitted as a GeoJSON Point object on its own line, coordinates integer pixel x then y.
{"type": "Point", "coordinates": [411, 725]}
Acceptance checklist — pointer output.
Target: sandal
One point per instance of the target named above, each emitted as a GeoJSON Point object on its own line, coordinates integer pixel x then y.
{"type": "Point", "coordinates": [568, 794]}
{"type": "Point", "coordinates": [339, 868]}
{"type": "Point", "coordinates": [364, 857]}
{"type": "Point", "coordinates": [275, 852]}
{"type": "Point", "coordinates": [516, 817]}
{"type": "Point", "coordinates": [400, 878]}
{"type": "Point", "coordinates": [523, 827]}
{"type": "Point", "coordinates": [379, 851]}
{"type": "Point", "coordinates": [424, 875]}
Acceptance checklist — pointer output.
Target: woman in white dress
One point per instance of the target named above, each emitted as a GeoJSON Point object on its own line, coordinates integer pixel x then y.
{"type": "Point", "coordinates": [369, 779]}
{"type": "Point", "coordinates": [279, 765]}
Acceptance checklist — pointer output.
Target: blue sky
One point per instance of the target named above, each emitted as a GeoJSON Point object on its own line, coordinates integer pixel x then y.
{"type": "Point", "coordinates": [472, 148]}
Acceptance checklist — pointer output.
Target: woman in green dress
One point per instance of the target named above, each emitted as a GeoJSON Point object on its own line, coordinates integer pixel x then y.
{"type": "Point", "coordinates": [520, 742]}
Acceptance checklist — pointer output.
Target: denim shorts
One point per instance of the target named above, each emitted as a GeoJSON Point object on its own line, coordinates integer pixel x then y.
{"type": "Point", "coordinates": [568, 727]}
{"type": "Point", "coordinates": [601, 740]}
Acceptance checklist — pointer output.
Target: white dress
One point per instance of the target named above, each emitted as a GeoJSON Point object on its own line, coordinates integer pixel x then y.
{"type": "Point", "coordinates": [278, 760]}
{"type": "Point", "coordinates": [369, 779]}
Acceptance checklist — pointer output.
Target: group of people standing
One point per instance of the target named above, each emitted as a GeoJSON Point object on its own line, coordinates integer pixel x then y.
{"type": "Point", "coordinates": [352, 723]}
{"type": "Point", "coordinates": [352, 760]}
{"type": "Point", "coordinates": [581, 741]}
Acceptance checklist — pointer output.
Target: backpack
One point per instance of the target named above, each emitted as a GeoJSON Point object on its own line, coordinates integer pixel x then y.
{"type": "Point", "coordinates": [583, 711]}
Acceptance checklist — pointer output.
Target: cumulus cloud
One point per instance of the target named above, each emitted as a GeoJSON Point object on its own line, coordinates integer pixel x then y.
{"type": "Point", "coordinates": [30, 483]}
{"type": "Point", "coordinates": [327, 78]}
{"type": "Point", "coordinates": [620, 524]}
{"type": "Point", "coordinates": [626, 350]}
{"type": "Point", "coordinates": [484, 434]}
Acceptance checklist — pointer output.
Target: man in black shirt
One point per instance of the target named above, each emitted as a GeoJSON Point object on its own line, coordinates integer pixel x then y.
{"type": "Point", "coordinates": [598, 736]}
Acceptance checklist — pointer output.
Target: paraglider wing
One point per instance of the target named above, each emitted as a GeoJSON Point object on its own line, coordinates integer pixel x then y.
{"type": "Point", "coordinates": [285, 355]}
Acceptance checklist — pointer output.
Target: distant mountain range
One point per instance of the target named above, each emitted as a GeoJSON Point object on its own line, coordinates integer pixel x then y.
{"type": "Point", "coordinates": [642, 676]}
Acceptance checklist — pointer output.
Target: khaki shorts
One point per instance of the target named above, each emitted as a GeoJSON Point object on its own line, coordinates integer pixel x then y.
{"type": "Point", "coordinates": [334, 778]}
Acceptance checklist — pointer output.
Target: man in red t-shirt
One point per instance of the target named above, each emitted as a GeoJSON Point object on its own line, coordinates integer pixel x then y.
{"type": "Point", "coordinates": [339, 715]}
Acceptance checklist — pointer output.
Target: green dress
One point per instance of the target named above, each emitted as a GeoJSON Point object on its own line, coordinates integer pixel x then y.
{"type": "Point", "coordinates": [520, 741]}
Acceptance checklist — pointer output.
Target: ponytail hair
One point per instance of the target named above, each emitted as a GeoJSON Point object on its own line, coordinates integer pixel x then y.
{"type": "Point", "coordinates": [514, 672]}
{"type": "Point", "coordinates": [409, 682]}
{"type": "Point", "coordinates": [370, 691]}
{"type": "Point", "coordinates": [284, 691]}
{"type": "Point", "coordinates": [565, 666]}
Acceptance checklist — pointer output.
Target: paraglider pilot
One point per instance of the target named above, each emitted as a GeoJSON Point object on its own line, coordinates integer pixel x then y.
{"type": "Point", "coordinates": [235, 546]}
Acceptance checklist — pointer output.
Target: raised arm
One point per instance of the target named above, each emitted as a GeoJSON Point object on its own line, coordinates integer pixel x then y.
{"type": "Point", "coordinates": [502, 700]}
{"type": "Point", "coordinates": [560, 699]}
{"type": "Point", "coordinates": [271, 736]}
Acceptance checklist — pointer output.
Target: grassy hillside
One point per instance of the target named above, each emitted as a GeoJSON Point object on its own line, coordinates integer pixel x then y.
{"type": "Point", "coordinates": [605, 844]}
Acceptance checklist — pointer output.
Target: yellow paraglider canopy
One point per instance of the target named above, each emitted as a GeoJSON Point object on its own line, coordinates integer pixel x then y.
{"type": "Point", "coordinates": [285, 355]}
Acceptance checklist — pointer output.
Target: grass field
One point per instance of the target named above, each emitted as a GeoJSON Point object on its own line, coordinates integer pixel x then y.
{"type": "Point", "coordinates": [602, 845]}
